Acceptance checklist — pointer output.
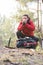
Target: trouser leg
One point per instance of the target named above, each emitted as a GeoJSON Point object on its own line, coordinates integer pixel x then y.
{"type": "Point", "coordinates": [20, 34]}
{"type": "Point", "coordinates": [35, 38]}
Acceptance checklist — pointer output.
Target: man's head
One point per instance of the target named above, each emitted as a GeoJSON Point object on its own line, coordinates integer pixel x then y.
{"type": "Point", "coordinates": [25, 18]}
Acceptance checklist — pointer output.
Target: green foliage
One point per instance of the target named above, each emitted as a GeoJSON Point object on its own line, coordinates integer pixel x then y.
{"type": "Point", "coordinates": [6, 30]}
{"type": "Point", "coordinates": [38, 48]}
{"type": "Point", "coordinates": [21, 13]}
{"type": "Point", "coordinates": [24, 10]}
{"type": "Point", "coordinates": [16, 17]}
{"type": "Point", "coordinates": [39, 34]}
{"type": "Point", "coordinates": [24, 2]}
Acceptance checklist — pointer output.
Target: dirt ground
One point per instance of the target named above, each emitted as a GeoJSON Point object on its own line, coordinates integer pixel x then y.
{"type": "Point", "coordinates": [20, 56]}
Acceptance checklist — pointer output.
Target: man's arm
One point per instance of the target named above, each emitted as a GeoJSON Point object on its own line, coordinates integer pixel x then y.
{"type": "Point", "coordinates": [30, 26]}
{"type": "Point", "coordinates": [20, 26]}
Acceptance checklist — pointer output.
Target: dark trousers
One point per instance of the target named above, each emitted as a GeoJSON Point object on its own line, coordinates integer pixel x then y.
{"type": "Point", "coordinates": [20, 35]}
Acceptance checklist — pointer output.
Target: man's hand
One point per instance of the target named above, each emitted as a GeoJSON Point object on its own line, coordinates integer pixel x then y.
{"type": "Point", "coordinates": [23, 23]}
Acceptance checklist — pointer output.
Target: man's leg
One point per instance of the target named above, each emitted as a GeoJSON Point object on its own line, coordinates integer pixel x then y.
{"type": "Point", "coordinates": [35, 38]}
{"type": "Point", "coordinates": [20, 34]}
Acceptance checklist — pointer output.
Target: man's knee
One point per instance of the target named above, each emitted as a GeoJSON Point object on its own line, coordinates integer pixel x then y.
{"type": "Point", "coordinates": [18, 33]}
{"type": "Point", "coordinates": [36, 38]}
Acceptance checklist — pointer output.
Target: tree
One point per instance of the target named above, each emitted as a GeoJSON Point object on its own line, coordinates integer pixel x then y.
{"type": "Point", "coordinates": [23, 10]}
{"type": "Point", "coordinates": [42, 0]}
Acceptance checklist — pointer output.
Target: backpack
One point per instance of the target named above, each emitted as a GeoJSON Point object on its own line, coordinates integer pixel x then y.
{"type": "Point", "coordinates": [26, 42]}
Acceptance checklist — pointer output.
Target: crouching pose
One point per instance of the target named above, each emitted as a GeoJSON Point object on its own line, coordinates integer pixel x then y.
{"type": "Point", "coordinates": [26, 28]}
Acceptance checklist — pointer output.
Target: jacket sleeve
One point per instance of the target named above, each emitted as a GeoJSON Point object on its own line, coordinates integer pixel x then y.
{"type": "Point", "coordinates": [20, 26]}
{"type": "Point", "coordinates": [30, 26]}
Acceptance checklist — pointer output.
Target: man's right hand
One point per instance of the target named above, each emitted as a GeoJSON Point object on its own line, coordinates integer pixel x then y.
{"type": "Point", "coordinates": [23, 23]}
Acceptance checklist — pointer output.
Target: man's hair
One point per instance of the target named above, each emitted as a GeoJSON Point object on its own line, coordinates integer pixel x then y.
{"type": "Point", "coordinates": [27, 17]}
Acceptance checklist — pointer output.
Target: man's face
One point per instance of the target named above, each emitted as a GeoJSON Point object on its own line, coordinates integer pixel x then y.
{"type": "Point", "coordinates": [24, 19]}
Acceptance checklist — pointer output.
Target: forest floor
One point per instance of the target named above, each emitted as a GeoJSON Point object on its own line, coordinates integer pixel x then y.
{"type": "Point", "coordinates": [20, 56]}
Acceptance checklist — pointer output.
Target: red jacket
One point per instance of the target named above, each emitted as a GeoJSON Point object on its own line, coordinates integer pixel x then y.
{"type": "Point", "coordinates": [27, 29]}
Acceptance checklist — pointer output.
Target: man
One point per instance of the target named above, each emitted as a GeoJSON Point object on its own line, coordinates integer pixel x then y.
{"type": "Point", "coordinates": [26, 28]}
